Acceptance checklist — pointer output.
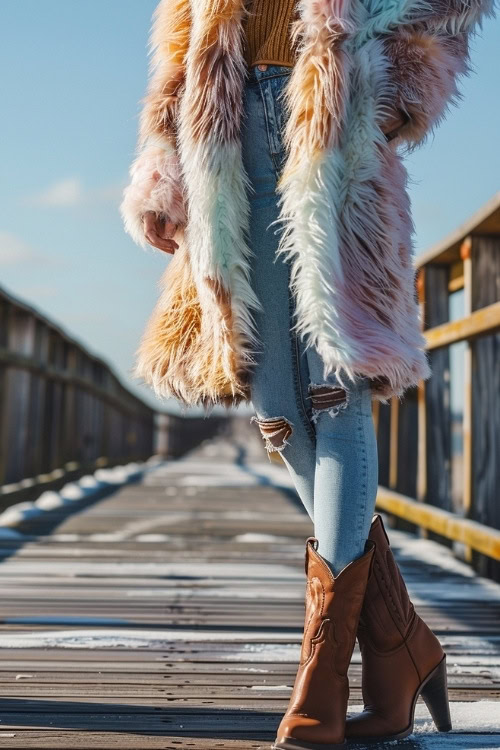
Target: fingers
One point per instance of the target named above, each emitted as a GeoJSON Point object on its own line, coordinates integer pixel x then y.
{"type": "Point", "coordinates": [168, 246]}
{"type": "Point", "coordinates": [159, 233]}
{"type": "Point", "coordinates": [149, 222]}
{"type": "Point", "coordinates": [169, 229]}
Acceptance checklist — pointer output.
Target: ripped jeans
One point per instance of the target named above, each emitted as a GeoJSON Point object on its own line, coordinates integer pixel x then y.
{"type": "Point", "coordinates": [325, 434]}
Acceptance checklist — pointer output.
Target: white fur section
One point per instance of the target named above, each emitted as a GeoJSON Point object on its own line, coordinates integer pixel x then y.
{"type": "Point", "coordinates": [310, 242]}
{"type": "Point", "coordinates": [156, 185]}
{"type": "Point", "coordinates": [218, 218]}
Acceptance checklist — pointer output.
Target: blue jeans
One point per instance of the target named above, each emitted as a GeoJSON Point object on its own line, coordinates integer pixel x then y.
{"type": "Point", "coordinates": [324, 433]}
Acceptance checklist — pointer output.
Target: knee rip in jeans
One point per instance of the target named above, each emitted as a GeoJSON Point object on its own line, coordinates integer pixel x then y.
{"type": "Point", "coordinates": [275, 431]}
{"type": "Point", "coordinates": [327, 398]}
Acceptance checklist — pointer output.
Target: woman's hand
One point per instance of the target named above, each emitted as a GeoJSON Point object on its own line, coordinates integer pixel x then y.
{"type": "Point", "coordinates": [394, 122]}
{"type": "Point", "coordinates": [159, 232]}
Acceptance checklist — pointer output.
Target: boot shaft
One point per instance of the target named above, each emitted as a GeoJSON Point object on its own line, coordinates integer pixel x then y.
{"type": "Point", "coordinates": [336, 599]}
{"type": "Point", "coordinates": [387, 613]}
{"type": "Point", "coordinates": [388, 619]}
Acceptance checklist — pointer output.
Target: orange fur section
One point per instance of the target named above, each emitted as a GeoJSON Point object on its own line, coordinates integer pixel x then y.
{"type": "Point", "coordinates": [314, 97]}
{"type": "Point", "coordinates": [218, 12]}
{"type": "Point", "coordinates": [169, 46]}
{"type": "Point", "coordinates": [188, 352]}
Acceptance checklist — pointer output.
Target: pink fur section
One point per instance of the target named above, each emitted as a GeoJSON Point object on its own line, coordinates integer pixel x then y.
{"type": "Point", "coordinates": [156, 185]}
{"type": "Point", "coordinates": [425, 68]}
{"type": "Point", "coordinates": [377, 299]}
{"type": "Point", "coordinates": [451, 17]}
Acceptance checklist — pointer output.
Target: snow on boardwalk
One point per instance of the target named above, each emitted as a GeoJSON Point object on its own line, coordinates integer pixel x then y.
{"type": "Point", "coordinates": [169, 615]}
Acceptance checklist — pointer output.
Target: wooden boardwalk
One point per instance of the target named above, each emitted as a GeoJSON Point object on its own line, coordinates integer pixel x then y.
{"type": "Point", "coordinates": [169, 615]}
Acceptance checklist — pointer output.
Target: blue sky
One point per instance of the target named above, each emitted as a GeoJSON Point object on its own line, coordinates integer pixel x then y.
{"type": "Point", "coordinates": [73, 73]}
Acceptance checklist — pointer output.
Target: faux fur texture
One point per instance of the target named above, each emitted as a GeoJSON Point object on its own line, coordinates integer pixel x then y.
{"type": "Point", "coordinates": [156, 179]}
{"type": "Point", "coordinates": [188, 353]}
{"type": "Point", "coordinates": [156, 185]}
{"type": "Point", "coordinates": [344, 206]}
{"type": "Point", "coordinates": [425, 68]}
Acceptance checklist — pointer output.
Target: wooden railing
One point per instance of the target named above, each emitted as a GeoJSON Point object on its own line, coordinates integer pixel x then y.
{"type": "Point", "coordinates": [416, 434]}
{"type": "Point", "coordinates": [63, 411]}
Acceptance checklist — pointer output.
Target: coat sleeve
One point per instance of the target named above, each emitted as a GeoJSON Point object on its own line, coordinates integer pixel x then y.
{"type": "Point", "coordinates": [427, 59]}
{"type": "Point", "coordinates": [155, 174]}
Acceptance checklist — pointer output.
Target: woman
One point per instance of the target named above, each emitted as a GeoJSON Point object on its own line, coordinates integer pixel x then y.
{"type": "Point", "coordinates": [269, 165]}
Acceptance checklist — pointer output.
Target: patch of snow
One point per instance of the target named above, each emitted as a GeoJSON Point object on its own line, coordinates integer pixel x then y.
{"type": "Point", "coordinates": [108, 536]}
{"type": "Point", "coordinates": [88, 482]}
{"type": "Point", "coordinates": [474, 716]}
{"type": "Point", "coordinates": [50, 500]}
{"type": "Point", "coordinates": [85, 487]}
{"type": "Point", "coordinates": [74, 491]}
{"type": "Point", "coordinates": [18, 513]}
{"type": "Point", "coordinates": [130, 638]}
{"type": "Point", "coordinates": [254, 537]}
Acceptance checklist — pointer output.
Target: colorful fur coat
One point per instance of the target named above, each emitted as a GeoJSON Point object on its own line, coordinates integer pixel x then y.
{"type": "Point", "coordinates": [345, 212]}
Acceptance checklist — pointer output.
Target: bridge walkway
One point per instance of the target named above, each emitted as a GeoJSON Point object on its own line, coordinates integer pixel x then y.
{"type": "Point", "coordinates": [169, 615]}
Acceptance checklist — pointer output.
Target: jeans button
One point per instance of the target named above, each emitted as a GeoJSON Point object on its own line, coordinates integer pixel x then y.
{"type": "Point", "coordinates": [262, 66]}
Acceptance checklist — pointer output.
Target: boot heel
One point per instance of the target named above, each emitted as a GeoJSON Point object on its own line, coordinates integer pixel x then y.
{"type": "Point", "coordinates": [435, 694]}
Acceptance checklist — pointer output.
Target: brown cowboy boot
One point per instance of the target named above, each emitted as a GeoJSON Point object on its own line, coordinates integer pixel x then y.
{"type": "Point", "coordinates": [315, 718]}
{"type": "Point", "coordinates": [401, 657]}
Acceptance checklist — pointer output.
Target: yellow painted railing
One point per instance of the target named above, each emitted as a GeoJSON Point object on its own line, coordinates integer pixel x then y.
{"type": "Point", "coordinates": [474, 535]}
{"type": "Point", "coordinates": [478, 323]}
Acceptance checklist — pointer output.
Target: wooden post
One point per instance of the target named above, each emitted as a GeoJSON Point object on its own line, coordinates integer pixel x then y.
{"type": "Point", "coordinates": [437, 392]}
{"type": "Point", "coordinates": [485, 406]}
{"type": "Point", "coordinates": [421, 405]}
{"type": "Point", "coordinates": [393, 444]}
{"type": "Point", "coordinates": [5, 321]}
{"type": "Point", "coordinates": [466, 255]}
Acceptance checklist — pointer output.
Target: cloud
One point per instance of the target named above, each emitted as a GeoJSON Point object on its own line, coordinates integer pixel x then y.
{"type": "Point", "coordinates": [37, 291]}
{"type": "Point", "coordinates": [14, 250]}
{"type": "Point", "coordinates": [109, 193]}
{"type": "Point", "coordinates": [70, 192]}
{"type": "Point", "coordinates": [67, 192]}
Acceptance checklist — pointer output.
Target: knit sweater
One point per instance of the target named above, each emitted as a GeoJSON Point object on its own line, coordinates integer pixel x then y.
{"type": "Point", "coordinates": [267, 32]}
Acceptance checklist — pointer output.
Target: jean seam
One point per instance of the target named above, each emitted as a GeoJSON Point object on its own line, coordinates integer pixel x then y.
{"type": "Point", "coordinates": [300, 385]}
{"type": "Point", "coordinates": [364, 461]}
{"type": "Point", "coordinates": [297, 381]}
{"type": "Point", "coordinates": [269, 124]}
